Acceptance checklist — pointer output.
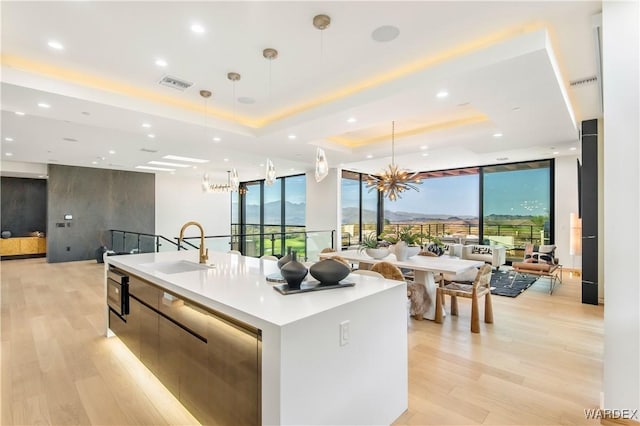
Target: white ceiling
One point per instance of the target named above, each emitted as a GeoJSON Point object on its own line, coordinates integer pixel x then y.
{"type": "Point", "coordinates": [506, 67]}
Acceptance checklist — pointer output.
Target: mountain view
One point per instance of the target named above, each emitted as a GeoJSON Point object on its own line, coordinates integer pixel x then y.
{"type": "Point", "coordinates": [295, 212]}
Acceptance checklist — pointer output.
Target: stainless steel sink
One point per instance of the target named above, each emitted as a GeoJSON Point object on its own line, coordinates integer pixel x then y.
{"type": "Point", "coordinates": [176, 266]}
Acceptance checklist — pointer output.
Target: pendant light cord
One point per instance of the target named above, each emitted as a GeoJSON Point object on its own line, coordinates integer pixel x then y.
{"type": "Point", "coordinates": [393, 144]}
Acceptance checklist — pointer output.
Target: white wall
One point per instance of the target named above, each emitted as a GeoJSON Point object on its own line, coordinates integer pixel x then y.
{"type": "Point", "coordinates": [566, 202]}
{"type": "Point", "coordinates": [323, 204]}
{"type": "Point", "coordinates": [621, 204]}
{"type": "Point", "coordinates": [180, 199]}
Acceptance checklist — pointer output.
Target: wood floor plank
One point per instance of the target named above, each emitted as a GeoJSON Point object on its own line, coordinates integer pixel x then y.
{"type": "Point", "coordinates": [540, 362]}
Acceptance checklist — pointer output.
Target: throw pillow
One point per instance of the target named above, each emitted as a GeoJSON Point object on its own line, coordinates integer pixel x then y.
{"type": "Point", "coordinates": [540, 254]}
{"type": "Point", "coordinates": [481, 250]}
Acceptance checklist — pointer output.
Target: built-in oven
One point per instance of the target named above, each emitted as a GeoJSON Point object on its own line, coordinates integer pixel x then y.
{"type": "Point", "coordinates": [118, 292]}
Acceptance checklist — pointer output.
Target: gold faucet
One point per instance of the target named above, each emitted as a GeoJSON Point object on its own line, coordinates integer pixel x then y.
{"type": "Point", "coordinates": [204, 253]}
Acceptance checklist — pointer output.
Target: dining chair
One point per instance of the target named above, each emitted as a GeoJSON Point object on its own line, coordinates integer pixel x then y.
{"type": "Point", "coordinates": [268, 257]}
{"type": "Point", "coordinates": [234, 252]}
{"type": "Point", "coordinates": [328, 250]}
{"type": "Point", "coordinates": [388, 271]}
{"type": "Point", "coordinates": [481, 286]}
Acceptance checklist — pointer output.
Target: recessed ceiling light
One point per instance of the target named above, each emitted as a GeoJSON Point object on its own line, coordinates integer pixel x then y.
{"type": "Point", "coordinates": [94, 162]}
{"type": "Point", "coordinates": [111, 151]}
{"type": "Point", "coordinates": [161, 169]}
{"type": "Point", "coordinates": [261, 164]}
{"type": "Point", "coordinates": [425, 154]}
{"type": "Point", "coordinates": [197, 28]}
{"type": "Point", "coordinates": [497, 135]}
{"type": "Point", "coordinates": [216, 139]}
{"type": "Point", "coordinates": [556, 152]}
{"type": "Point", "coordinates": [573, 148]}
{"type": "Point", "coordinates": [8, 154]}
{"type": "Point", "coordinates": [226, 160]}
{"type": "Point", "coordinates": [442, 94]}
{"type": "Point", "coordinates": [85, 113]}
{"type": "Point", "coordinates": [502, 158]}
{"type": "Point", "coordinates": [246, 100]}
{"type": "Point", "coordinates": [187, 159]}
{"type": "Point", "coordinates": [146, 125]}
{"type": "Point", "coordinates": [55, 45]}
{"type": "Point", "coordinates": [42, 176]}
{"type": "Point", "coordinates": [423, 147]}
{"type": "Point", "coordinates": [19, 113]}
{"type": "Point", "coordinates": [8, 139]}
{"type": "Point", "coordinates": [70, 139]}
{"type": "Point", "coordinates": [194, 167]}
{"type": "Point", "coordinates": [352, 120]}
{"type": "Point", "coordinates": [292, 169]}
{"type": "Point", "coordinates": [151, 135]}
{"type": "Point", "coordinates": [165, 163]}
{"type": "Point", "coordinates": [385, 33]}
{"type": "Point", "coordinates": [292, 136]}
{"type": "Point", "coordinates": [515, 109]}
{"type": "Point", "coordinates": [161, 63]}
{"type": "Point", "coordinates": [43, 105]}
{"type": "Point", "coordinates": [369, 156]}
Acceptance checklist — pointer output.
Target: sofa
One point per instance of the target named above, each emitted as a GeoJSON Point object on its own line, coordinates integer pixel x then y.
{"type": "Point", "coordinates": [494, 255]}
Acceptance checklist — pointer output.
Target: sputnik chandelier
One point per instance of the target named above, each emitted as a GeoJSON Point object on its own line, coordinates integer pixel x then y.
{"type": "Point", "coordinates": [394, 181]}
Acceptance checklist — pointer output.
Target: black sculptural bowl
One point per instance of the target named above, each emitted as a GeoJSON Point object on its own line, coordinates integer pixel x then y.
{"type": "Point", "coordinates": [293, 273]}
{"type": "Point", "coordinates": [329, 271]}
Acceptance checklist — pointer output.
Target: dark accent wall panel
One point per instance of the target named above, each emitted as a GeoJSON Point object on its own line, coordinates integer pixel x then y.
{"type": "Point", "coordinates": [24, 205]}
{"type": "Point", "coordinates": [98, 200]}
{"type": "Point", "coordinates": [589, 210]}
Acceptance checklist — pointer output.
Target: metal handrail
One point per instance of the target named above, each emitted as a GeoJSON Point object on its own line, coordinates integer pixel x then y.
{"type": "Point", "coordinates": [185, 244]}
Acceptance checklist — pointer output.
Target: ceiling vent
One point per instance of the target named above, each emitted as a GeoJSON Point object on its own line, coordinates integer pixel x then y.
{"type": "Point", "coordinates": [582, 81]}
{"type": "Point", "coordinates": [175, 83]}
{"type": "Point", "coordinates": [148, 150]}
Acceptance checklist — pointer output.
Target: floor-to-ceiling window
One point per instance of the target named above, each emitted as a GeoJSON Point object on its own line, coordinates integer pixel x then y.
{"type": "Point", "coordinates": [517, 204]}
{"type": "Point", "coordinates": [446, 206]}
{"type": "Point", "coordinates": [359, 208]}
{"type": "Point", "coordinates": [507, 204]}
{"type": "Point", "coordinates": [271, 217]}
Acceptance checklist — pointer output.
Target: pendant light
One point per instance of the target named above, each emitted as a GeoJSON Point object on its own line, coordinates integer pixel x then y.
{"type": "Point", "coordinates": [322, 166]}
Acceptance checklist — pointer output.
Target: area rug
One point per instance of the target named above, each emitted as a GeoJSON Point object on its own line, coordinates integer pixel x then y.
{"type": "Point", "coordinates": [501, 280]}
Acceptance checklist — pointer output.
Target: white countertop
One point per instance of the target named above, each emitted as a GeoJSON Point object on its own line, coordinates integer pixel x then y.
{"type": "Point", "coordinates": [236, 284]}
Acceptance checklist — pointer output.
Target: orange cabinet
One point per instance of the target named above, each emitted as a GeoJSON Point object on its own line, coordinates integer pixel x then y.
{"type": "Point", "coordinates": [22, 245]}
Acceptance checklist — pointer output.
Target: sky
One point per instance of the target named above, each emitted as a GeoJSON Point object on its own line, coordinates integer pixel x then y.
{"type": "Point", "coordinates": [521, 192]}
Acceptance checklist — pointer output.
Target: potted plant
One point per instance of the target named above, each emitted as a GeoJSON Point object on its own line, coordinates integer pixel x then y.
{"type": "Point", "coordinates": [406, 242]}
{"type": "Point", "coordinates": [374, 247]}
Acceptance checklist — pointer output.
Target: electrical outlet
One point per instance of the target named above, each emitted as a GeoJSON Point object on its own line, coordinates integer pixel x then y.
{"type": "Point", "coordinates": [344, 333]}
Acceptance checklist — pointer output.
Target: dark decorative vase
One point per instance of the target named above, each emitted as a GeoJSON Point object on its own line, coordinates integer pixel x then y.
{"type": "Point", "coordinates": [329, 271]}
{"type": "Point", "coordinates": [435, 249]}
{"type": "Point", "coordinates": [284, 259]}
{"type": "Point", "coordinates": [293, 272]}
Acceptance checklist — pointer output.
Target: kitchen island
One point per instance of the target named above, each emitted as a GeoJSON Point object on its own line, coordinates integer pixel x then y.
{"type": "Point", "coordinates": [223, 340]}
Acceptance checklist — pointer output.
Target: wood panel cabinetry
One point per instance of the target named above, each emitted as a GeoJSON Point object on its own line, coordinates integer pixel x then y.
{"type": "Point", "coordinates": [209, 362]}
{"type": "Point", "coordinates": [23, 246]}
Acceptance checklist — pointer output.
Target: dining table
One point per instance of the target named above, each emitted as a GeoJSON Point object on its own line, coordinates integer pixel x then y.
{"type": "Point", "coordinates": [425, 269]}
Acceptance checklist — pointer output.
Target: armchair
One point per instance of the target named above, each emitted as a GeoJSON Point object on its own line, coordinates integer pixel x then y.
{"type": "Point", "coordinates": [540, 260]}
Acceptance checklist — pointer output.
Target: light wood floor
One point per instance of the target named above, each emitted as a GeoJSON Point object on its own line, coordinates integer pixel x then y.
{"type": "Point", "coordinates": [539, 363]}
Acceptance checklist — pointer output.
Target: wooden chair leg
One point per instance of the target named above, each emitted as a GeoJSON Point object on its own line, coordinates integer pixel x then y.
{"type": "Point", "coordinates": [488, 309]}
{"type": "Point", "coordinates": [439, 300]}
{"type": "Point", "coordinates": [454, 305]}
{"type": "Point", "coordinates": [475, 316]}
